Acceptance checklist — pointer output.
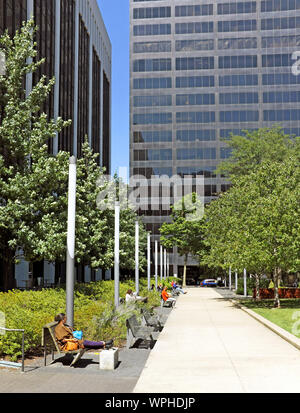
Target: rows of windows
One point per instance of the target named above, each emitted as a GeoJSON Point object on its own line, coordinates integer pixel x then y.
{"type": "Point", "coordinates": [223, 44]}
{"type": "Point", "coordinates": [146, 101]}
{"type": "Point", "coordinates": [196, 153]}
{"type": "Point", "coordinates": [195, 81]}
{"type": "Point", "coordinates": [195, 99]}
{"type": "Point", "coordinates": [205, 63]}
{"type": "Point", "coordinates": [193, 135]}
{"type": "Point", "coordinates": [225, 153]}
{"type": "Point", "coordinates": [236, 25]}
{"type": "Point", "coordinates": [152, 155]}
{"type": "Point", "coordinates": [152, 83]}
{"type": "Point", "coordinates": [151, 65]}
{"type": "Point", "coordinates": [152, 136]}
{"type": "Point", "coordinates": [237, 62]}
{"type": "Point", "coordinates": [207, 171]}
{"type": "Point", "coordinates": [195, 117]}
{"type": "Point", "coordinates": [234, 98]}
{"type": "Point", "coordinates": [152, 47]}
{"type": "Point", "coordinates": [241, 43]}
{"type": "Point", "coordinates": [281, 115]}
{"type": "Point", "coordinates": [239, 116]}
{"type": "Point", "coordinates": [238, 80]}
{"type": "Point", "coordinates": [191, 45]}
{"type": "Point", "coordinates": [280, 23]}
{"type": "Point", "coordinates": [237, 8]}
{"type": "Point", "coordinates": [151, 12]}
{"type": "Point", "coordinates": [151, 29]}
{"type": "Point", "coordinates": [194, 10]}
{"type": "Point", "coordinates": [281, 97]}
{"type": "Point", "coordinates": [152, 118]}
{"type": "Point", "coordinates": [277, 23]}
{"type": "Point", "coordinates": [238, 98]}
{"type": "Point", "coordinates": [194, 63]}
{"type": "Point", "coordinates": [279, 5]}
{"type": "Point", "coordinates": [194, 27]}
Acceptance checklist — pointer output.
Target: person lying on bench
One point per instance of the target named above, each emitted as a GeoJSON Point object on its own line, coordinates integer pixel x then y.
{"type": "Point", "coordinates": [64, 334]}
{"type": "Point", "coordinates": [165, 296]}
{"type": "Point", "coordinates": [176, 287]}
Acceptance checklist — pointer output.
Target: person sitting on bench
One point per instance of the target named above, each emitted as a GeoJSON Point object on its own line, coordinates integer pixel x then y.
{"type": "Point", "coordinates": [132, 296]}
{"type": "Point", "coordinates": [64, 333]}
{"type": "Point", "coordinates": [165, 296]}
{"type": "Point", "coordinates": [176, 287]}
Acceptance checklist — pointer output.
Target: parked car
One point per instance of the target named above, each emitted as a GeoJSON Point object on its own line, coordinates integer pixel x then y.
{"type": "Point", "coordinates": [209, 283]}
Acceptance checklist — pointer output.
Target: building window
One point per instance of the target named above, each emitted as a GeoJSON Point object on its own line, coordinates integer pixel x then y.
{"type": "Point", "coordinates": [146, 101]}
{"type": "Point", "coordinates": [277, 60]}
{"type": "Point", "coordinates": [241, 43]}
{"type": "Point", "coordinates": [152, 136]}
{"type": "Point", "coordinates": [194, 27]}
{"type": "Point", "coordinates": [238, 80]}
{"type": "Point", "coordinates": [196, 153]}
{"type": "Point", "coordinates": [152, 83]}
{"type": "Point", "coordinates": [195, 117]}
{"type": "Point", "coordinates": [152, 118]}
{"type": "Point", "coordinates": [271, 79]}
{"type": "Point", "coordinates": [152, 47]}
{"type": "Point", "coordinates": [106, 124]}
{"type": "Point", "coordinates": [152, 12]}
{"type": "Point", "coordinates": [191, 45]}
{"type": "Point", "coordinates": [194, 63]}
{"type": "Point", "coordinates": [195, 81]}
{"type": "Point", "coordinates": [280, 23]}
{"type": "Point", "coordinates": [279, 5]}
{"type": "Point", "coordinates": [237, 8]}
{"type": "Point", "coordinates": [12, 15]}
{"type": "Point", "coordinates": [151, 29]}
{"type": "Point", "coordinates": [195, 99]}
{"type": "Point", "coordinates": [237, 26]}
{"type": "Point", "coordinates": [151, 65]}
{"type": "Point", "coordinates": [238, 98]}
{"type": "Point", "coordinates": [194, 135]}
{"type": "Point", "coordinates": [239, 116]}
{"type": "Point", "coordinates": [195, 10]}
{"type": "Point", "coordinates": [237, 62]}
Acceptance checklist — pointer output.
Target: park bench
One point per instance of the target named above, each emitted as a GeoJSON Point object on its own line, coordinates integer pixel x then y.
{"type": "Point", "coordinates": [151, 320]}
{"type": "Point", "coordinates": [175, 292]}
{"type": "Point", "coordinates": [49, 342]}
{"type": "Point", "coordinates": [136, 332]}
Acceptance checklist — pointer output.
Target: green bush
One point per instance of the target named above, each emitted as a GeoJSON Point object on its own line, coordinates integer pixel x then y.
{"type": "Point", "coordinates": [94, 313]}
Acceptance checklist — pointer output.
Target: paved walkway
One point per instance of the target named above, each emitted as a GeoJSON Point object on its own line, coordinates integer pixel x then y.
{"type": "Point", "coordinates": [209, 346]}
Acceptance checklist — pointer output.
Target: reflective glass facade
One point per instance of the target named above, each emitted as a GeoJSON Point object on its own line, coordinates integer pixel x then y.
{"type": "Point", "coordinates": [226, 66]}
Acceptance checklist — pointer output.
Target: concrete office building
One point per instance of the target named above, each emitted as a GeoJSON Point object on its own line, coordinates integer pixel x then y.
{"type": "Point", "coordinates": [200, 70]}
{"type": "Point", "coordinates": [73, 39]}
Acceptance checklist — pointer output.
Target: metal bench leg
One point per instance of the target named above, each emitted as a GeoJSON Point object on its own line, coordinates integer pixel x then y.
{"type": "Point", "coordinates": [45, 356]}
{"type": "Point", "coordinates": [130, 338]}
{"type": "Point", "coordinates": [78, 356]}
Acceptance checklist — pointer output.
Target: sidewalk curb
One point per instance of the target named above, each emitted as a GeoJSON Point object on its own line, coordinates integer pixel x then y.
{"type": "Point", "coordinates": [290, 338]}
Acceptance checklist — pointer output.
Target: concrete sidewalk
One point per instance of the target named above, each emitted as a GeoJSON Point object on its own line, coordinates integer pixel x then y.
{"type": "Point", "coordinates": [210, 346]}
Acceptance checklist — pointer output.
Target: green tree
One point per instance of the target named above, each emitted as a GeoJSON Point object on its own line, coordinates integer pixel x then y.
{"type": "Point", "coordinates": [185, 231]}
{"type": "Point", "coordinates": [28, 179]}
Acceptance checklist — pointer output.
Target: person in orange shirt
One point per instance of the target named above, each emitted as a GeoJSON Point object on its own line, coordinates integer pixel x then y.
{"type": "Point", "coordinates": [165, 296]}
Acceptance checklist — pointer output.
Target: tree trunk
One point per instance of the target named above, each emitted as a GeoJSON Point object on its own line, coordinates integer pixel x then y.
{"type": "Point", "coordinates": [184, 272]}
{"type": "Point", "coordinates": [257, 298]}
{"type": "Point", "coordinates": [8, 270]}
{"type": "Point", "coordinates": [276, 278]}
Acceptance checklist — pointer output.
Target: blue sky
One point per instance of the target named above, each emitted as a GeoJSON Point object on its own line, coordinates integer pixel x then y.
{"type": "Point", "coordinates": [115, 14]}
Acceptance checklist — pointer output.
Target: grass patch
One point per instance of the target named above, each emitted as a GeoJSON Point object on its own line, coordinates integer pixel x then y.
{"type": "Point", "coordinates": [285, 317]}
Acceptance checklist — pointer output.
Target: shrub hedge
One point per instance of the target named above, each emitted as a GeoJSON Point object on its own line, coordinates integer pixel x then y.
{"type": "Point", "coordinates": [94, 313]}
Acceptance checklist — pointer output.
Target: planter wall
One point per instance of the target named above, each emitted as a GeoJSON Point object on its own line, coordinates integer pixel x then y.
{"type": "Point", "coordinates": [282, 292]}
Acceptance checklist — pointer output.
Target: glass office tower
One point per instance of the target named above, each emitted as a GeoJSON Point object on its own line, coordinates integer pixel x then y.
{"type": "Point", "coordinates": [200, 70]}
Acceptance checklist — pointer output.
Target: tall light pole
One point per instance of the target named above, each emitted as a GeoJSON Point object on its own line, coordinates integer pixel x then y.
{"type": "Point", "coordinates": [229, 278]}
{"type": "Point", "coordinates": [236, 280]}
{"type": "Point", "coordinates": [137, 257]}
{"type": "Point", "coordinates": [70, 259]}
{"type": "Point", "coordinates": [156, 263]}
{"type": "Point", "coordinates": [117, 255]}
{"type": "Point", "coordinates": [161, 262]}
{"type": "Point", "coordinates": [245, 282]}
{"type": "Point", "coordinates": [165, 263]}
{"type": "Point", "coordinates": [149, 259]}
